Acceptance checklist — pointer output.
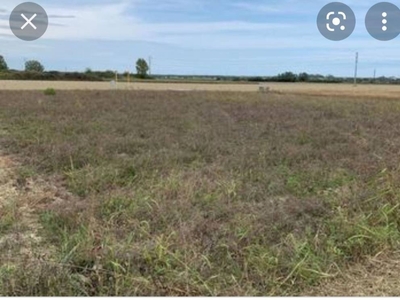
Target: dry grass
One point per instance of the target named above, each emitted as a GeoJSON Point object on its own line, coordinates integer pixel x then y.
{"type": "Point", "coordinates": [365, 90]}
{"type": "Point", "coordinates": [378, 276]}
{"type": "Point", "coordinates": [20, 241]}
{"type": "Point", "coordinates": [201, 193]}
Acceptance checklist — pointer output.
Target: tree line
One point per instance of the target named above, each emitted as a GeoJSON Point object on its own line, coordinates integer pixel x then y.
{"type": "Point", "coordinates": [34, 70]}
{"type": "Point", "coordinates": [30, 66]}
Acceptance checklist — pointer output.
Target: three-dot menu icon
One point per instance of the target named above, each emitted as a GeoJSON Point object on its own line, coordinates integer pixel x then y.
{"type": "Point", "coordinates": [383, 21]}
{"type": "Point", "coordinates": [336, 21]}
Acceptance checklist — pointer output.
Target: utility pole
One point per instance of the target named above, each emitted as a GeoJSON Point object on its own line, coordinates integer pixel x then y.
{"type": "Point", "coordinates": [150, 58]}
{"type": "Point", "coordinates": [374, 75]}
{"type": "Point", "coordinates": [356, 70]}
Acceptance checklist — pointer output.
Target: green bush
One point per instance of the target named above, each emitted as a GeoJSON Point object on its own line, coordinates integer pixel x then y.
{"type": "Point", "coordinates": [49, 92]}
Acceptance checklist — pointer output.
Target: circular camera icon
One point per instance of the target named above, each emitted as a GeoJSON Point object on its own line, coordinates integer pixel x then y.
{"type": "Point", "coordinates": [336, 21]}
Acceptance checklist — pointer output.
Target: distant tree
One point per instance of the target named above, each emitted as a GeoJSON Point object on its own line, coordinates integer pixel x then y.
{"type": "Point", "coordinates": [330, 78]}
{"type": "Point", "coordinates": [287, 77]}
{"type": "Point", "coordinates": [304, 77]}
{"type": "Point", "coordinates": [109, 74]}
{"type": "Point", "coordinates": [3, 64]}
{"type": "Point", "coordinates": [142, 68]}
{"type": "Point", "coordinates": [256, 79]}
{"type": "Point", "coordinates": [127, 75]}
{"type": "Point", "coordinates": [88, 71]}
{"type": "Point", "coordinates": [34, 66]}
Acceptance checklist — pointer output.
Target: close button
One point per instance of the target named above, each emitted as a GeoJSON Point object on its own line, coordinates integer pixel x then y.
{"type": "Point", "coordinates": [29, 21]}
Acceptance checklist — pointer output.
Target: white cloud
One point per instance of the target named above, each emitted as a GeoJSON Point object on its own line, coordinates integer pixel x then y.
{"type": "Point", "coordinates": [112, 24]}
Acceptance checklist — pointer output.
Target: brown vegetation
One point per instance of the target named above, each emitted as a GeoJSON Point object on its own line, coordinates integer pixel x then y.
{"type": "Point", "coordinates": [200, 193]}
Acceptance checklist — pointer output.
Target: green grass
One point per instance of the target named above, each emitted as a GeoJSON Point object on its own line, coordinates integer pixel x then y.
{"type": "Point", "coordinates": [203, 193]}
{"type": "Point", "coordinates": [49, 92]}
{"type": "Point", "coordinates": [8, 217]}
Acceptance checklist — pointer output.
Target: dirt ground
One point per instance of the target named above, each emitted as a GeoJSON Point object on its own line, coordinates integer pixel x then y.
{"type": "Point", "coordinates": [16, 210]}
{"type": "Point", "coordinates": [384, 91]}
{"type": "Point", "coordinates": [378, 277]}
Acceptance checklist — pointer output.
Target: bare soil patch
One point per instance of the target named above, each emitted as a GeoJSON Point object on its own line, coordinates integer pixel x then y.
{"type": "Point", "coordinates": [376, 277]}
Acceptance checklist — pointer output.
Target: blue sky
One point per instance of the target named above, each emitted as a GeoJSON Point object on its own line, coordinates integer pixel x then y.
{"type": "Point", "coordinates": [225, 37]}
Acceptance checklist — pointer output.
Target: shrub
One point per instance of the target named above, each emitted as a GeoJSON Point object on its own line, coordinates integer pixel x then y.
{"type": "Point", "coordinates": [49, 92]}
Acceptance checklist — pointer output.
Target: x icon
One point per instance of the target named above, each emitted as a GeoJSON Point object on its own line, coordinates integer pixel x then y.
{"type": "Point", "coordinates": [28, 21]}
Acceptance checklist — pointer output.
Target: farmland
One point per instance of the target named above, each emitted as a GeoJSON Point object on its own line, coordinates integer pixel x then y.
{"type": "Point", "coordinates": [315, 89]}
{"type": "Point", "coordinates": [156, 189]}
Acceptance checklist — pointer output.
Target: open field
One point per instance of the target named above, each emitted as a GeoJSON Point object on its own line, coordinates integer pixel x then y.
{"type": "Point", "coordinates": [384, 91]}
{"type": "Point", "coordinates": [198, 193]}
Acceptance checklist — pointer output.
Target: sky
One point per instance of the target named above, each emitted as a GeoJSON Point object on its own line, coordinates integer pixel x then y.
{"type": "Point", "coordinates": [198, 37]}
